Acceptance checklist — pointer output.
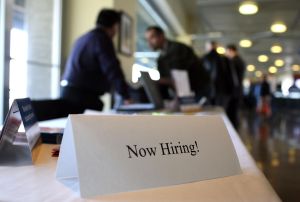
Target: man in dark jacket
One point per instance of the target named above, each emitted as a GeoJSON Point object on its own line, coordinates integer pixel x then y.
{"type": "Point", "coordinates": [237, 68]}
{"type": "Point", "coordinates": [93, 68]}
{"type": "Point", "coordinates": [217, 66]}
{"type": "Point", "coordinates": [176, 55]}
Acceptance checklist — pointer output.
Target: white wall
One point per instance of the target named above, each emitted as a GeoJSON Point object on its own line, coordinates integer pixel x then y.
{"type": "Point", "coordinates": [128, 6]}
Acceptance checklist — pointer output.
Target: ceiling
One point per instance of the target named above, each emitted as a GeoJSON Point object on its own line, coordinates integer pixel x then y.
{"type": "Point", "coordinates": [220, 20]}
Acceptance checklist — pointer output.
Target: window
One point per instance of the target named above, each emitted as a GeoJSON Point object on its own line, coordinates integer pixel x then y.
{"type": "Point", "coordinates": [33, 64]}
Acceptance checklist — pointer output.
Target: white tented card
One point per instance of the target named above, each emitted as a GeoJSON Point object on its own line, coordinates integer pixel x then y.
{"type": "Point", "coordinates": [109, 154]}
{"type": "Point", "coordinates": [19, 147]}
{"type": "Point", "coordinates": [182, 83]}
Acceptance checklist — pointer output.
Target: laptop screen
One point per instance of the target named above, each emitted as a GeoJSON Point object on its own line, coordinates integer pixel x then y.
{"type": "Point", "coordinates": [152, 90]}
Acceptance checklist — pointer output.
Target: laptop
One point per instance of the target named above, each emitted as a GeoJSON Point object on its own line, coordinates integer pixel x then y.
{"type": "Point", "coordinates": [153, 94]}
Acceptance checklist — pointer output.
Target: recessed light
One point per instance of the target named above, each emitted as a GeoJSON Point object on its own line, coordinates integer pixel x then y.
{"type": "Point", "coordinates": [272, 70]}
{"type": "Point", "coordinates": [248, 8]}
{"type": "Point", "coordinates": [245, 43]}
{"type": "Point", "coordinates": [263, 58]}
{"type": "Point", "coordinates": [276, 49]}
{"type": "Point", "coordinates": [258, 74]}
{"type": "Point", "coordinates": [221, 50]}
{"type": "Point", "coordinates": [279, 63]}
{"type": "Point", "coordinates": [278, 27]}
{"type": "Point", "coordinates": [296, 68]}
{"type": "Point", "coordinates": [250, 68]}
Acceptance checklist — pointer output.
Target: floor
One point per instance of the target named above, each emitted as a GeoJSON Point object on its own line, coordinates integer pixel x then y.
{"type": "Point", "coordinates": [274, 143]}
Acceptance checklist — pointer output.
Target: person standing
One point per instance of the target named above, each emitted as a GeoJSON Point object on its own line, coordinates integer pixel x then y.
{"type": "Point", "coordinates": [174, 55]}
{"type": "Point", "coordinates": [264, 107]}
{"type": "Point", "coordinates": [93, 68]}
{"type": "Point", "coordinates": [237, 71]}
{"type": "Point", "coordinates": [217, 66]}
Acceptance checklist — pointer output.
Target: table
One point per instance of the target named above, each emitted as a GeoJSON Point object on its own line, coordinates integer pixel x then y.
{"type": "Point", "coordinates": [38, 183]}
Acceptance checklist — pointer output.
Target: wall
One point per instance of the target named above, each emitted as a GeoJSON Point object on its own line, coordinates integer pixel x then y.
{"type": "Point", "coordinates": [186, 39]}
{"type": "Point", "coordinates": [128, 6]}
{"type": "Point", "coordinates": [179, 12]}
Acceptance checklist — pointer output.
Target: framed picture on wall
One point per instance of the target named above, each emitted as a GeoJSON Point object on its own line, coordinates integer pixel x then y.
{"type": "Point", "coordinates": [125, 44]}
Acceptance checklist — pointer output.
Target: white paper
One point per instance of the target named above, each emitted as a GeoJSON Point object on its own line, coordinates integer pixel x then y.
{"type": "Point", "coordinates": [95, 154]}
{"type": "Point", "coordinates": [182, 83]}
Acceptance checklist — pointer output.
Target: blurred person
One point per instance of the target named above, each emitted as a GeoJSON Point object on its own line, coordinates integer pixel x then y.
{"type": "Point", "coordinates": [264, 107]}
{"type": "Point", "coordinates": [265, 89]}
{"type": "Point", "coordinates": [250, 102]}
{"type": "Point", "coordinates": [93, 68]}
{"type": "Point", "coordinates": [237, 71]}
{"type": "Point", "coordinates": [174, 55]}
{"type": "Point", "coordinates": [251, 97]}
{"type": "Point", "coordinates": [217, 66]}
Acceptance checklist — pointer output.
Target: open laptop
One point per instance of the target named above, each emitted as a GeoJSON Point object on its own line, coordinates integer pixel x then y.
{"type": "Point", "coordinates": [152, 93]}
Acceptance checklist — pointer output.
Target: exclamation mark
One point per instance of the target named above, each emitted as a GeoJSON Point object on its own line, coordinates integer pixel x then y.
{"type": "Point", "coordinates": [196, 144]}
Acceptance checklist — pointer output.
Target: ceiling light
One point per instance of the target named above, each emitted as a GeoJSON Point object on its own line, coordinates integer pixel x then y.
{"type": "Point", "coordinates": [250, 68]}
{"type": "Point", "coordinates": [272, 70]}
{"type": "Point", "coordinates": [258, 74]}
{"type": "Point", "coordinates": [279, 63]}
{"type": "Point", "coordinates": [278, 27]}
{"type": "Point", "coordinates": [248, 8]}
{"type": "Point", "coordinates": [221, 50]}
{"type": "Point", "coordinates": [263, 58]}
{"type": "Point", "coordinates": [296, 68]}
{"type": "Point", "coordinates": [276, 49]}
{"type": "Point", "coordinates": [245, 43]}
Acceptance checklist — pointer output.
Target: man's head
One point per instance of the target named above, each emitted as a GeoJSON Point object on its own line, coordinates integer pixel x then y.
{"type": "Point", "coordinates": [109, 21]}
{"type": "Point", "coordinates": [265, 77]}
{"type": "Point", "coordinates": [155, 37]}
{"type": "Point", "coordinates": [211, 45]}
{"type": "Point", "coordinates": [231, 51]}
